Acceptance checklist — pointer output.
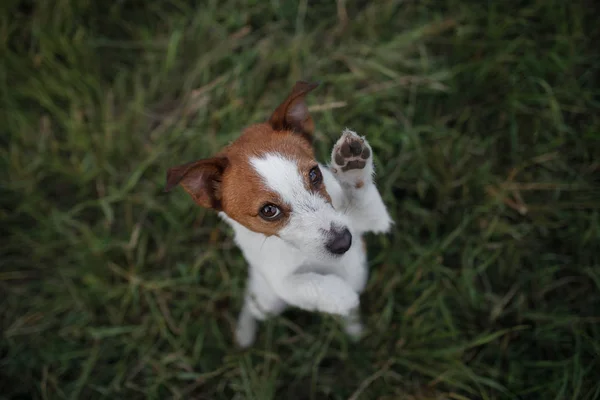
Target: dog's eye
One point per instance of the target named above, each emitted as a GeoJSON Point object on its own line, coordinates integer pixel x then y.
{"type": "Point", "coordinates": [315, 176]}
{"type": "Point", "coordinates": [270, 212]}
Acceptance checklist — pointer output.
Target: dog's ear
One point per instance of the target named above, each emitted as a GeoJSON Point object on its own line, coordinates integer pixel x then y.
{"type": "Point", "coordinates": [201, 179]}
{"type": "Point", "coordinates": [293, 113]}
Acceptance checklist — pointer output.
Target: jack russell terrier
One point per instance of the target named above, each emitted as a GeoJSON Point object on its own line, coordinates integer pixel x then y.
{"type": "Point", "coordinates": [295, 220]}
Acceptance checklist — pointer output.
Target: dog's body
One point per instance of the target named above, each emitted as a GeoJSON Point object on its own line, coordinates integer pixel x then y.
{"type": "Point", "coordinates": [298, 223]}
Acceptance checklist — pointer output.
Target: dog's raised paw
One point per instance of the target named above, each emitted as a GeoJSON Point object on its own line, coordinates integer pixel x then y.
{"type": "Point", "coordinates": [351, 152]}
{"type": "Point", "coordinates": [352, 160]}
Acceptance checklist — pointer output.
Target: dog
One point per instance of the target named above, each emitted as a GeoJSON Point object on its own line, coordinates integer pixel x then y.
{"type": "Point", "coordinates": [298, 223]}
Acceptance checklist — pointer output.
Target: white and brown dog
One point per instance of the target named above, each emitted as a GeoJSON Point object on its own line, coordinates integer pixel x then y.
{"type": "Point", "coordinates": [296, 221]}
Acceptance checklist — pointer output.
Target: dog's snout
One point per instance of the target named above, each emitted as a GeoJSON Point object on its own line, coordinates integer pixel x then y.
{"type": "Point", "coordinates": [340, 241]}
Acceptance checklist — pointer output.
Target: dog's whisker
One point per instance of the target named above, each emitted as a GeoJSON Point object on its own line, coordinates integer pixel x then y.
{"type": "Point", "coordinates": [263, 243]}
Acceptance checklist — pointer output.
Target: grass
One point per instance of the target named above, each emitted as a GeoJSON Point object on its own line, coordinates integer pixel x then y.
{"type": "Point", "coordinates": [484, 118]}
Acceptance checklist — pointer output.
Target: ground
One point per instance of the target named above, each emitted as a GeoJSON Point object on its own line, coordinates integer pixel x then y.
{"type": "Point", "coordinates": [484, 118]}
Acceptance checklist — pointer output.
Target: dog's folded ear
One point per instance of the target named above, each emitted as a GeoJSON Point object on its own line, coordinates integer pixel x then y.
{"type": "Point", "coordinates": [293, 113]}
{"type": "Point", "coordinates": [201, 179]}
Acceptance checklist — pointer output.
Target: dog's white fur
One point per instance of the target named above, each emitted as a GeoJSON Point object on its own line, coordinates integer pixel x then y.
{"type": "Point", "coordinates": [293, 268]}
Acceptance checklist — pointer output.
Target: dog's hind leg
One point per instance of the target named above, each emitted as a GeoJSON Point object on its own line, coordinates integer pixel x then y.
{"type": "Point", "coordinates": [260, 303]}
{"type": "Point", "coordinates": [247, 325]}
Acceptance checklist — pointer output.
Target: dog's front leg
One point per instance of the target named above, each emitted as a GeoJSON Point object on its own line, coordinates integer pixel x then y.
{"type": "Point", "coordinates": [352, 166]}
{"type": "Point", "coordinates": [315, 292]}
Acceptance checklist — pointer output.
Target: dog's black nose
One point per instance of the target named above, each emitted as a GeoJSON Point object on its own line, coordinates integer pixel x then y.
{"type": "Point", "coordinates": [340, 241]}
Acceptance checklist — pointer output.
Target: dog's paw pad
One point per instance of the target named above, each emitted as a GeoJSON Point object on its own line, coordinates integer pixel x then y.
{"type": "Point", "coordinates": [351, 152]}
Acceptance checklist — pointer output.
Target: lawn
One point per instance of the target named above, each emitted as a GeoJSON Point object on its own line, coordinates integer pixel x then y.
{"type": "Point", "coordinates": [484, 118]}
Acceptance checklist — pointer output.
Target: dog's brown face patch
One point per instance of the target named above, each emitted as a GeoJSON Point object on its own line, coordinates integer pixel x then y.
{"type": "Point", "coordinates": [244, 193]}
{"type": "Point", "coordinates": [229, 183]}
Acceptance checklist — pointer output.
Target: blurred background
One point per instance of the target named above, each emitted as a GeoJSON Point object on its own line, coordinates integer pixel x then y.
{"type": "Point", "coordinates": [484, 118]}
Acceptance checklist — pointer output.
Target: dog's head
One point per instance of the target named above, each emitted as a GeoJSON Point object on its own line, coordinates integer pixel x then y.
{"type": "Point", "coordinates": [269, 181]}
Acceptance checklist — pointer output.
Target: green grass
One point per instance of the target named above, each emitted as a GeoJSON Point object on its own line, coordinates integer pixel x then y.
{"type": "Point", "coordinates": [485, 122]}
